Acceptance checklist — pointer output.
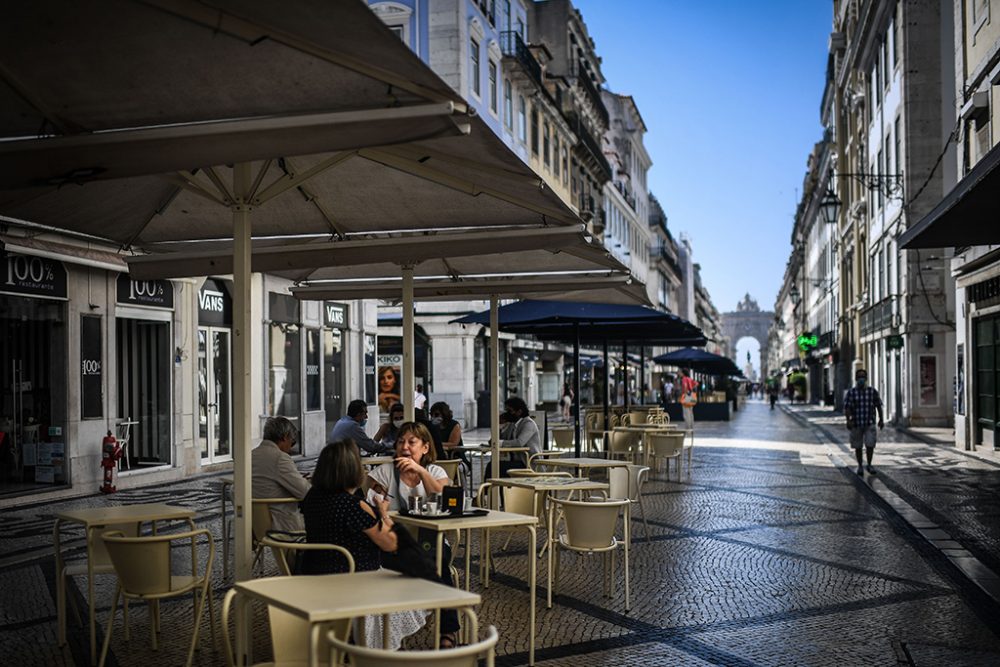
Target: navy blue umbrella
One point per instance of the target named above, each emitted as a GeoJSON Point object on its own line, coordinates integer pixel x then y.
{"type": "Point", "coordinates": [700, 361]}
{"type": "Point", "coordinates": [576, 321]}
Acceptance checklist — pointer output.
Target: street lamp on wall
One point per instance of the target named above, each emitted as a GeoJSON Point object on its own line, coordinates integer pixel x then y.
{"type": "Point", "coordinates": [829, 206]}
{"type": "Point", "coordinates": [794, 295]}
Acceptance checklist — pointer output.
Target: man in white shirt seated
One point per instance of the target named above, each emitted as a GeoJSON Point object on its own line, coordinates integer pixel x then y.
{"type": "Point", "coordinates": [274, 474]}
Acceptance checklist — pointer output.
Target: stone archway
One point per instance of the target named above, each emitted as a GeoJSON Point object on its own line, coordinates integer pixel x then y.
{"type": "Point", "coordinates": [748, 320]}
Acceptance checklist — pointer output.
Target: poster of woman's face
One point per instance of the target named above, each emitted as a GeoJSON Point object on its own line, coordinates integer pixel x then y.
{"type": "Point", "coordinates": [388, 387]}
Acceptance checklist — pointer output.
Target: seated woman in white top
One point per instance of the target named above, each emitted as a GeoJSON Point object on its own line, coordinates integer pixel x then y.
{"type": "Point", "coordinates": [414, 468]}
{"type": "Point", "coordinates": [414, 474]}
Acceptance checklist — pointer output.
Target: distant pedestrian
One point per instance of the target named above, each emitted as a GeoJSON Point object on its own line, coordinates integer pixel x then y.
{"type": "Point", "coordinates": [419, 398]}
{"type": "Point", "coordinates": [772, 393]}
{"type": "Point", "coordinates": [566, 402]}
{"type": "Point", "coordinates": [861, 403]}
{"type": "Point", "coordinates": [689, 398]}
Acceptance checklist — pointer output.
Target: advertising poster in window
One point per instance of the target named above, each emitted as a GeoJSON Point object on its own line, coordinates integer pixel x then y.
{"type": "Point", "coordinates": [928, 380]}
{"type": "Point", "coordinates": [390, 380]}
{"type": "Point", "coordinates": [91, 374]}
{"type": "Point", "coordinates": [369, 369]}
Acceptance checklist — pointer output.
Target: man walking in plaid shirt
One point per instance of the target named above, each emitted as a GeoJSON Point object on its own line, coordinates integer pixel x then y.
{"type": "Point", "coordinates": [860, 406]}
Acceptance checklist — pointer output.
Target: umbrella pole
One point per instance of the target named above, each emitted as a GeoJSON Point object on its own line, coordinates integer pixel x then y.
{"type": "Point", "coordinates": [642, 375]}
{"type": "Point", "coordinates": [625, 375]}
{"type": "Point", "coordinates": [576, 386]}
{"type": "Point", "coordinates": [495, 393]}
{"type": "Point", "coordinates": [406, 396]}
{"type": "Point", "coordinates": [607, 385]}
{"type": "Point", "coordinates": [241, 371]}
{"type": "Point", "coordinates": [242, 360]}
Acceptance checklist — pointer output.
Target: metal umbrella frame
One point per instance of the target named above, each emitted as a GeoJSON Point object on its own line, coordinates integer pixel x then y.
{"type": "Point", "coordinates": [197, 155]}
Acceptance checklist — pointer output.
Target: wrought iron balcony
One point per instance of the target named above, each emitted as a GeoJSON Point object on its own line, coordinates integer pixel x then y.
{"type": "Point", "coordinates": [512, 46]}
{"type": "Point", "coordinates": [878, 317]}
{"type": "Point", "coordinates": [590, 90]}
{"type": "Point", "coordinates": [592, 145]}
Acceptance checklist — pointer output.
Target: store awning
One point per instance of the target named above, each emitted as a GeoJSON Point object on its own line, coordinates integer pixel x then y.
{"type": "Point", "coordinates": [969, 215]}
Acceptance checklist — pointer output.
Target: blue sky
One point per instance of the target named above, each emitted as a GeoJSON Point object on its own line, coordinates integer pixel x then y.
{"type": "Point", "coordinates": [730, 92]}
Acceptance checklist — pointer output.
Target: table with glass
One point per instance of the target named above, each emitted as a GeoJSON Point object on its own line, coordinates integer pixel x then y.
{"type": "Point", "coordinates": [549, 486]}
{"type": "Point", "coordinates": [322, 599]}
{"type": "Point", "coordinates": [95, 518]}
{"type": "Point", "coordinates": [492, 519]}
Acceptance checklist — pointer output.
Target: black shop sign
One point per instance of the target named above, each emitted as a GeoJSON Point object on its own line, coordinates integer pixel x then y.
{"type": "Point", "coordinates": [34, 276]}
{"type": "Point", "coordinates": [215, 305]}
{"type": "Point", "coordinates": [150, 293]}
{"type": "Point", "coordinates": [335, 315]}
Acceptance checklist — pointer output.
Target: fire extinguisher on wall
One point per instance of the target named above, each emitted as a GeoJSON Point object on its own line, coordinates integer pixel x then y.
{"type": "Point", "coordinates": [111, 451]}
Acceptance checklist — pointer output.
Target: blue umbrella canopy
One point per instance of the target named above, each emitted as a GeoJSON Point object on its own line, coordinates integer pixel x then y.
{"type": "Point", "coordinates": [561, 320]}
{"type": "Point", "coordinates": [699, 360]}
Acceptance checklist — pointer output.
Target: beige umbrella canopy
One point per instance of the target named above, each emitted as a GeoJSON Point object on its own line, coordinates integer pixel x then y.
{"type": "Point", "coordinates": [164, 120]}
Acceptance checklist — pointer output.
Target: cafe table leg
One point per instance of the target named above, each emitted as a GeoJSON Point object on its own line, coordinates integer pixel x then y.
{"type": "Point", "coordinates": [225, 535]}
{"type": "Point", "coordinates": [315, 630]}
{"type": "Point", "coordinates": [532, 583]}
{"type": "Point", "coordinates": [552, 547]}
{"type": "Point", "coordinates": [91, 607]}
{"type": "Point", "coordinates": [438, 562]}
{"type": "Point", "coordinates": [60, 585]}
{"type": "Point", "coordinates": [468, 557]}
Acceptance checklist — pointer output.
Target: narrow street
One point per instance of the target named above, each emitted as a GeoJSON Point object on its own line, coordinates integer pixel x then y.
{"type": "Point", "coordinates": [772, 552]}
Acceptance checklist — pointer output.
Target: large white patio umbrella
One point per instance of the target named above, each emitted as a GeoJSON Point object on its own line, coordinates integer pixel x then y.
{"type": "Point", "coordinates": [139, 122]}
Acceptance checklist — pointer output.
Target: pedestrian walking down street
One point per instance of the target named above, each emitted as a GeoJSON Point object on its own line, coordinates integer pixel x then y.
{"type": "Point", "coordinates": [772, 393]}
{"type": "Point", "coordinates": [861, 403]}
{"type": "Point", "coordinates": [689, 397]}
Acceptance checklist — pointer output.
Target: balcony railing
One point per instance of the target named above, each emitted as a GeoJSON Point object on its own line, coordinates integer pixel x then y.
{"type": "Point", "coordinates": [590, 90]}
{"type": "Point", "coordinates": [513, 46]}
{"type": "Point", "coordinates": [588, 140]}
{"type": "Point", "coordinates": [629, 197]}
{"type": "Point", "coordinates": [878, 317]}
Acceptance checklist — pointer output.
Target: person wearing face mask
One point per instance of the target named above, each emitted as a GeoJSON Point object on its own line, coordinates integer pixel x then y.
{"type": "Point", "coordinates": [520, 430]}
{"type": "Point", "coordinates": [352, 426]}
{"type": "Point", "coordinates": [389, 431]}
{"type": "Point", "coordinates": [861, 403]}
{"type": "Point", "coordinates": [444, 420]}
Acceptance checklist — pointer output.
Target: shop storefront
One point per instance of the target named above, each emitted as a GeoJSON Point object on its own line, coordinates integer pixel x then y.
{"type": "Point", "coordinates": [986, 379]}
{"type": "Point", "coordinates": [144, 363]}
{"type": "Point", "coordinates": [334, 340]}
{"type": "Point", "coordinates": [214, 373]}
{"type": "Point", "coordinates": [33, 367]}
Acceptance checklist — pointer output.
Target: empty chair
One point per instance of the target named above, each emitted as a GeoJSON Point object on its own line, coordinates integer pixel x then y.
{"type": "Point", "coordinates": [289, 636]}
{"type": "Point", "coordinates": [285, 545]}
{"type": "Point", "coordinates": [626, 484]}
{"type": "Point", "coordinates": [590, 528]}
{"type": "Point", "coordinates": [623, 444]}
{"type": "Point", "coordinates": [462, 656]}
{"type": "Point", "coordinates": [260, 522]}
{"type": "Point", "coordinates": [689, 448]}
{"type": "Point", "coordinates": [563, 438]}
{"type": "Point", "coordinates": [143, 566]}
{"type": "Point", "coordinates": [450, 466]}
{"type": "Point", "coordinates": [664, 446]}
{"type": "Point", "coordinates": [637, 417]}
{"type": "Point", "coordinates": [542, 456]}
{"type": "Point", "coordinates": [101, 564]}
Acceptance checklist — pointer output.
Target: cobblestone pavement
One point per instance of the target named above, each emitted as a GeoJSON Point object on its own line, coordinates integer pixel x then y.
{"type": "Point", "coordinates": [769, 553]}
{"type": "Point", "coordinates": [958, 491]}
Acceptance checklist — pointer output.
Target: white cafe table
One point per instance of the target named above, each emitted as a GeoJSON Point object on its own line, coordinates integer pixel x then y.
{"type": "Point", "coordinates": [321, 599]}
{"type": "Point", "coordinates": [493, 519]}
{"type": "Point", "coordinates": [549, 486]}
{"type": "Point", "coordinates": [582, 464]}
{"type": "Point", "coordinates": [94, 518]}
